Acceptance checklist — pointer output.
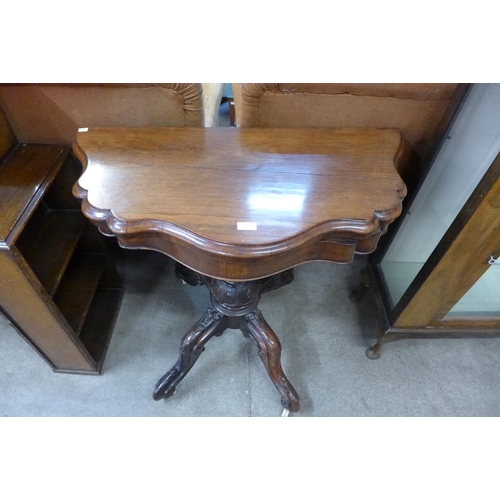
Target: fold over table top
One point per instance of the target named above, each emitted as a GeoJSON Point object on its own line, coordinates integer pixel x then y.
{"type": "Point", "coordinates": [242, 204]}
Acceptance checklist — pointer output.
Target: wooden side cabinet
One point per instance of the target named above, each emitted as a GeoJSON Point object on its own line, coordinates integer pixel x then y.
{"type": "Point", "coordinates": [58, 286]}
{"type": "Point", "coordinates": [439, 276]}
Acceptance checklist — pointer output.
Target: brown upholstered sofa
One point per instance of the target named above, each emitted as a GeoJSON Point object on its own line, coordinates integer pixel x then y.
{"type": "Point", "coordinates": [418, 110]}
{"type": "Point", "coordinates": [52, 113]}
{"type": "Point", "coordinates": [414, 108]}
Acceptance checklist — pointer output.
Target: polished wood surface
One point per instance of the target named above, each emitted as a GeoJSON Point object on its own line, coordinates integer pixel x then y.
{"type": "Point", "coordinates": [312, 194]}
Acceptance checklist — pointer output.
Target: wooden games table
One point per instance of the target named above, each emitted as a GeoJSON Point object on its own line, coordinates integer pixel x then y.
{"type": "Point", "coordinates": [238, 209]}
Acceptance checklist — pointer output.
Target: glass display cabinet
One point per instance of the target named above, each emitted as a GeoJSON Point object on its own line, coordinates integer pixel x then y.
{"type": "Point", "coordinates": [439, 272]}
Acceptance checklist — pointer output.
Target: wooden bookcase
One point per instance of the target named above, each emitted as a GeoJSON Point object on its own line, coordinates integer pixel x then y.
{"type": "Point", "coordinates": [58, 286]}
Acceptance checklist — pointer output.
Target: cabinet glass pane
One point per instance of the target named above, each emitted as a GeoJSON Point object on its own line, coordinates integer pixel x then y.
{"type": "Point", "coordinates": [482, 300]}
{"type": "Point", "coordinates": [473, 143]}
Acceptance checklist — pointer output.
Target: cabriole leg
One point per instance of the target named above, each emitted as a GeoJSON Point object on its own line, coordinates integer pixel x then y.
{"type": "Point", "coordinates": [255, 326]}
{"type": "Point", "coordinates": [192, 345]}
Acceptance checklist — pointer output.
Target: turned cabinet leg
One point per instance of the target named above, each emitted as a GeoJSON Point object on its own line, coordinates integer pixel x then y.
{"type": "Point", "coordinates": [374, 351]}
{"type": "Point", "coordinates": [356, 296]}
{"type": "Point", "coordinates": [384, 337]}
{"type": "Point", "coordinates": [192, 345]}
{"type": "Point", "coordinates": [255, 326]}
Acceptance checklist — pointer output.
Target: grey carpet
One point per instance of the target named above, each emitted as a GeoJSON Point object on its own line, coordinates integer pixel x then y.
{"type": "Point", "coordinates": [324, 336]}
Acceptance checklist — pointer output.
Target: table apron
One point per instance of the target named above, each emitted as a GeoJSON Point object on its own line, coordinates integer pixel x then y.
{"type": "Point", "coordinates": [233, 267]}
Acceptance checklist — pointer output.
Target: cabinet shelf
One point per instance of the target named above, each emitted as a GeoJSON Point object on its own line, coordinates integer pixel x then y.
{"type": "Point", "coordinates": [67, 313]}
{"type": "Point", "coordinates": [100, 321]}
{"type": "Point", "coordinates": [78, 286]}
{"type": "Point", "coordinates": [48, 260]}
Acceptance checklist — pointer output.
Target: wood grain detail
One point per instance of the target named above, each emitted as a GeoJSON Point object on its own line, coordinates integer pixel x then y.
{"type": "Point", "coordinates": [183, 191]}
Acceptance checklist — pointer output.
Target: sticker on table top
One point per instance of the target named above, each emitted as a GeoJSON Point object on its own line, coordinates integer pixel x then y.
{"type": "Point", "coordinates": [246, 226]}
{"type": "Point", "coordinates": [85, 129]}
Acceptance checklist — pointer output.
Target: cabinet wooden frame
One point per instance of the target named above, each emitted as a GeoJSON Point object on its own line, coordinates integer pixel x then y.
{"type": "Point", "coordinates": [458, 261]}
{"type": "Point", "coordinates": [58, 287]}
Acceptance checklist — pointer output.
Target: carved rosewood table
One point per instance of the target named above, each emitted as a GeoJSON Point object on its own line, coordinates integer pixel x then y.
{"type": "Point", "coordinates": [238, 209]}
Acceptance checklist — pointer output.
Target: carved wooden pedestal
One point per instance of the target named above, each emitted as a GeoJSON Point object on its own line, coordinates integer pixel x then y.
{"type": "Point", "coordinates": [234, 306]}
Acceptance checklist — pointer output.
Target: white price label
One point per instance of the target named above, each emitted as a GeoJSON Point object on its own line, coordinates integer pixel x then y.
{"type": "Point", "coordinates": [246, 226]}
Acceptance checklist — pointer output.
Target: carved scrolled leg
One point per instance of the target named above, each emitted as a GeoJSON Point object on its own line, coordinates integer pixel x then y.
{"type": "Point", "coordinates": [192, 345]}
{"type": "Point", "coordinates": [255, 326]}
{"type": "Point", "coordinates": [234, 306]}
{"type": "Point", "coordinates": [277, 281]}
{"type": "Point", "coordinates": [186, 275]}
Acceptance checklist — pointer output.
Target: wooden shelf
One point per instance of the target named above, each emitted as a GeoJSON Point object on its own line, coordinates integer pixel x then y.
{"type": "Point", "coordinates": [48, 260]}
{"type": "Point", "coordinates": [78, 286]}
{"type": "Point", "coordinates": [58, 286]}
{"type": "Point", "coordinates": [100, 321]}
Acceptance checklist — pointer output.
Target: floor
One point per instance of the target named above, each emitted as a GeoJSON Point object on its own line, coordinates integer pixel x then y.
{"type": "Point", "coordinates": [324, 336]}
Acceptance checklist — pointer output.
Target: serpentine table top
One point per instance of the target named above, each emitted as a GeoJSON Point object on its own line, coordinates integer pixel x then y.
{"type": "Point", "coordinates": [241, 204]}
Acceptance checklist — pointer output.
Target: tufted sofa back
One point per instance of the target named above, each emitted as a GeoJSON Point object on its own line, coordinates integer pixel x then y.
{"type": "Point", "coordinates": [52, 113]}
{"type": "Point", "coordinates": [416, 109]}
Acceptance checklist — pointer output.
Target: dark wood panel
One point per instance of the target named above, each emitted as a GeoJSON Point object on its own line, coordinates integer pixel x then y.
{"type": "Point", "coordinates": [99, 323]}
{"type": "Point", "coordinates": [92, 241]}
{"type": "Point", "coordinates": [49, 250]}
{"type": "Point", "coordinates": [36, 317]}
{"type": "Point", "coordinates": [59, 196]}
{"type": "Point", "coordinates": [78, 286]}
{"type": "Point", "coordinates": [33, 227]}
